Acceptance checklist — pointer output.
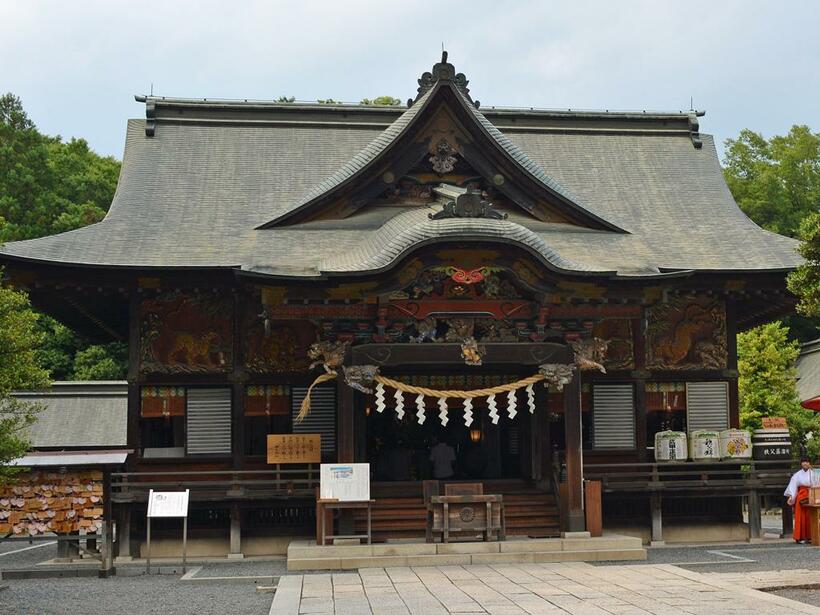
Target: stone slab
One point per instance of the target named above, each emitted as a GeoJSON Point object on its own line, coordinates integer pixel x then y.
{"type": "Point", "coordinates": [529, 546]}
{"type": "Point", "coordinates": [450, 548]}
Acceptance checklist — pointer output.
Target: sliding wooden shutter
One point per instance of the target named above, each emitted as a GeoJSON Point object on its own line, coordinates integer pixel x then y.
{"type": "Point", "coordinates": [613, 416]}
{"type": "Point", "coordinates": [707, 405]}
{"type": "Point", "coordinates": [322, 417]}
{"type": "Point", "coordinates": [209, 421]}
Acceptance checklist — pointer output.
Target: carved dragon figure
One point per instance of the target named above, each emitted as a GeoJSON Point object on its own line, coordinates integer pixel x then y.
{"type": "Point", "coordinates": [590, 353]}
{"type": "Point", "coordinates": [556, 374]}
{"type": "Point", "coordinates": [471, 352]}
{"type": "Point", "coordinates": [361, 377]}
{"type": "Point", "coordinates": [329, 355]}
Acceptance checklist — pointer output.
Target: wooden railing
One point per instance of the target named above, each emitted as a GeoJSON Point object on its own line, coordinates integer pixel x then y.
{"type": "Point", "coordinates": [214, 485]}
{"type": "Point", "coordinates": [730, 475]}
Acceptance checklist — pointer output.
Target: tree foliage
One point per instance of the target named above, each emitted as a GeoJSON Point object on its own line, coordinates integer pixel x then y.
{"type": "Point", "coordinates": [805, 281]}
{"type": "Point", "coordinates": [48, 186]}
{"type": "Point", "coordinates": [767, 383]}
{"type": "Point", "coordinates": [776, 182]}
{"type": "Point", "coordinates": [19, 370]}
{"type": "Point", "coordinates": [384, 101]}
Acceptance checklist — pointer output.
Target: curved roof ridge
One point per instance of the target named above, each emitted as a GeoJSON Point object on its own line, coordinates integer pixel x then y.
{"type": "Point", "coordinates": [403, 232]}
{"type": "Point", "coordinates": [365, 156]}
{"type": "Point", "coordinates": [517, 154]}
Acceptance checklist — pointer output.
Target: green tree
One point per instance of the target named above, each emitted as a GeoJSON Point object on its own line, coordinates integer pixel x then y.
{"type": "Point", "coordinates": [19, 370]}
{"type": "Point", "coordinates": [328, 101]}
{"type": "Point", "coordinates": [48, 186]}
{"type": "Point", "coordinates": [767, 383]}
{"type": "Point", "coordinates": [385, 101]}
{"type": "Point", "coordinates": [805, 281]}
{"type": "Point", "coordinates": [286, 99]}
{"type": "Point", "coordinates": [776, 182]}
{"type": "Point", "coordinates": [107, 362]}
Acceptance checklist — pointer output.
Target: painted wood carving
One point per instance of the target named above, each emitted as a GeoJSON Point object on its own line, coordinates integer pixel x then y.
{"type": "Point", "coordinates": [620, 353]}
{"type": "Point", "coordinates": [687, 333]}
{"type": "Point", "coordinates": [186, 334]}
{"type": "Point", "coordinates": [278, 347]}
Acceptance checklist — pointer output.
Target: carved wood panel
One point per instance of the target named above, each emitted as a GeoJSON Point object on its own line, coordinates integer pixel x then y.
{"type": "Point", "coordinates": [186, 334]}
{"type": "Point", "coordinates": [687, 333]}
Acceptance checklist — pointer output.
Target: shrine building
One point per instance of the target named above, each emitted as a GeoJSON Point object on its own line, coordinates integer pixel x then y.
{"type": "Point", "coordinates": [542, 290]}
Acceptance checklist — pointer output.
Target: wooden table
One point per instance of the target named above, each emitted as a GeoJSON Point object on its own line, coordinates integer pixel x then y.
{"type": "Point", "coordinates": [814, 520]}
{"type": "Point", "coordinates": [466, 514]}
{"type": "Point", "coordinates": [323, 507]}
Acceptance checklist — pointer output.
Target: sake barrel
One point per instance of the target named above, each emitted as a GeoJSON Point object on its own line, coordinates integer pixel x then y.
{"type": "Point", "coordinates": [704, 445]}
{"type": "Point", "coordinates": [771, 444]}
{"type": "Point", "coordinates": [670, 446]}
{"type": "Point", "coordinates": [735, 444]}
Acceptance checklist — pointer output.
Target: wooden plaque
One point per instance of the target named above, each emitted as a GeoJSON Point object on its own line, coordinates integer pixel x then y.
{"type": "Point", "coordinates": [775, 422]}
{"type": "Point", "coordinates": [295, 448]}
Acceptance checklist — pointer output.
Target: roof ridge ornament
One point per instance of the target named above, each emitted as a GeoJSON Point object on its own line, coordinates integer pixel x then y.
{"type": "Point", "coordinates": [471, 204]}
{"type": "Point", "coordinates": [442, 71]}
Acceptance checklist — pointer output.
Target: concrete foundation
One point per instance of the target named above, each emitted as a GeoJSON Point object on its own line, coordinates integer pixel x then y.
{"type": "Point", "coordinates": [687, 533]}
{"type": "Point", "coordinates": [219, 546]}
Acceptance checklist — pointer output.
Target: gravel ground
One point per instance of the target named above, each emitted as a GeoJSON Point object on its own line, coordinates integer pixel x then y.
{"type": "Point", "coordinates": [19, 555]}
{"type": "Point", "coordinates": [809, 596]}
{"type": "Point", "coordinates": [777, 555]}
{"type": "Point", "coordinates": [134, 595]}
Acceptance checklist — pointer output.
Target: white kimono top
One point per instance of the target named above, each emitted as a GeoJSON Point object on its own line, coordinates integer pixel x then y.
{"type": "Point", "coordinates": [801, 478]}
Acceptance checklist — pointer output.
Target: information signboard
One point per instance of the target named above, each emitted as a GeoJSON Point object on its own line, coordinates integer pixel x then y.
{"type": "Point", "coordinates": [775, 422]}
{"type": "Point", "coordinates": [346, 482]}
{"type": "Point", "coordinates": [168, 503]}
{"type": "Point", "coordinates": [295, 448]}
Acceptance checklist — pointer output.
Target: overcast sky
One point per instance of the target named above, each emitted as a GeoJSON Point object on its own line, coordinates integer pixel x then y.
{"type": "Point", "coordinates": [77, 64]}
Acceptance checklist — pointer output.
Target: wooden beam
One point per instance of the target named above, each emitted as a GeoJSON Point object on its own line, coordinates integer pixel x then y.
{"type": "Point", "coordinates": [574, 453]}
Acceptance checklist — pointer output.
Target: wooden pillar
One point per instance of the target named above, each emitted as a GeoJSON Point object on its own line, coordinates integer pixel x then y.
{"type": "Point", "coordinates": [124, 532]}
{"type": "Point", "coordinates": [238, 382]}
{"type": "Point", "coordinates": [107, 545]}
{"type": "Point", "coordinates": [787, 519]}
{"type": "Point", "coordinates": [345, 422]}
{"type": "Point", "coordinates": [639, 376]}
{"type": "Point", "coordinates": [236, 533]}
{"type": "Point", "coordinates": [731, 348]}
{"type": "Point", "coordinates": [656, 506]}
{"type": "Point", "coordinates": [574, 452]}
{"type": "Point", "coordinates": [346, 428]}
{"type": "Point", "coordinates": [755, 522]}
{"type": "Point", "coordinates": [133, 432]}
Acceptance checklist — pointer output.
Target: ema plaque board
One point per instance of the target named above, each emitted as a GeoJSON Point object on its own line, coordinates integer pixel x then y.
{"type": "Point", "coordinates": [296, 448]}
{"type": "Point", "coordinates": [168, 503]}
{"type": "Point", "coordinates": [345, 482]}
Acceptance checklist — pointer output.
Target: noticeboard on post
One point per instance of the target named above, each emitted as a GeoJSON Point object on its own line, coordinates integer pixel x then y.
{"type": "Point", "coordinates": [168, 503]}
{"type": "Point", "coordinates": [345, 482]}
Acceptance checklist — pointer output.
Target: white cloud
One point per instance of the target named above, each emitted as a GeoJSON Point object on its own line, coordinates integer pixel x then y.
{"type": "Point", "coordinates": [76, 65]}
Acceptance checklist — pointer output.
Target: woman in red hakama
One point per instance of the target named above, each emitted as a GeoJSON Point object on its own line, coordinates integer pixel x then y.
{"type": "Point", "coordinates": [797, 491]}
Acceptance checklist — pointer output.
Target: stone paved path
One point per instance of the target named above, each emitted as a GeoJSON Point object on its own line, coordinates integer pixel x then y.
{"type": "Point", "coordinates": [522, 589]}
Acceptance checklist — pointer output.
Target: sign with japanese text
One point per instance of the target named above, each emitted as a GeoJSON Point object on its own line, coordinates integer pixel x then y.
{"type": "Point", "coordinates": [168, 503]}
{"type": "Point", "coordinates": [295, 448]}
{"type": "Point", "coordinates": [346, 482]}
{"type": "Point", "coordinates": [774, 422]}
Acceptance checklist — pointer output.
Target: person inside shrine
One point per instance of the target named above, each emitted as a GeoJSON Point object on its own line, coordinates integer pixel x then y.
{"type": "Point", "coordinates": [443, 457]}
{"type": "Point", "coordinates": [798, 494]}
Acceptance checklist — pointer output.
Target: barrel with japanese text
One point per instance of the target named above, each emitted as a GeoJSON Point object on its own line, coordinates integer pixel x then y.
{"type": "Point", "coordinates": [771, 444]}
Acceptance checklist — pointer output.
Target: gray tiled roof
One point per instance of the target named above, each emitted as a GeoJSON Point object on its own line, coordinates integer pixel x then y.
{"type": "Point", "coordinates": [808, 371]}
{"type": "Point", "coordinates": [194, 194]}
{"type": "Point", "coordinates": [79, 415]}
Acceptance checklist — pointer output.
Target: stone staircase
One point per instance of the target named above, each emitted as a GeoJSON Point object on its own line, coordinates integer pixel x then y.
{"type": "Point", "coordinates": [307, 555]}
{"type": "Point", "coordinates": [528, 512]}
